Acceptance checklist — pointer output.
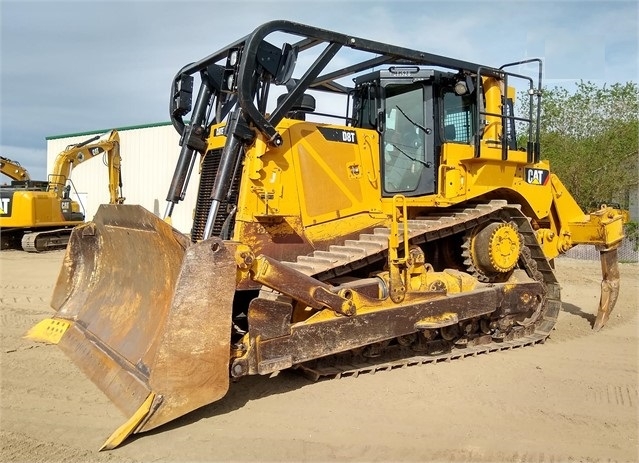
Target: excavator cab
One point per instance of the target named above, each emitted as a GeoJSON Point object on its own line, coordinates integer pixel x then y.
{"type": "Point", "coordinates": [403, 225]}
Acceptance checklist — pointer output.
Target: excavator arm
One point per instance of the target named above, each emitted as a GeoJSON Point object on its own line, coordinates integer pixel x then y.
{"type": "Point", "coordinates": [73, 155]}
{"type": "Point", "coordinates": [13, 169]}
{"type": "Point", "coordinates": [603, 228]}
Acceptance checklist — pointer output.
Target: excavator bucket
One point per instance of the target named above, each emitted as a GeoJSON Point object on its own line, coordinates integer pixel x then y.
{"type": "Point", "coordinates": [145, 315]}
{"type": "Point", "coordinates": [609, 286]}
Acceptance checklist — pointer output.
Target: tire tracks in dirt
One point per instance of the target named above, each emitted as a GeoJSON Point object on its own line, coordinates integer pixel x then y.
{"type": "Point", "coordinates": [573, 399]}
{"type": "Point", "coordinates": [17, 447]}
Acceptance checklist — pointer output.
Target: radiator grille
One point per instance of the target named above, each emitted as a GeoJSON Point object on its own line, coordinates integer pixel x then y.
{"type": "Point", "coordinates": [210, 167]}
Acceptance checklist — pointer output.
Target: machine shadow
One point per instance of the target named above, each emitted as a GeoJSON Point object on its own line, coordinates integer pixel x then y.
{"type": "Point", "coordinates": [241, 392]}
{"type": "Point", "coordinates": [574, 310]}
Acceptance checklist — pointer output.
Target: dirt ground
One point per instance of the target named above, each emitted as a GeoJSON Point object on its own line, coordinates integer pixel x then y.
{"type": "Point", "coordinates": [573, 398]}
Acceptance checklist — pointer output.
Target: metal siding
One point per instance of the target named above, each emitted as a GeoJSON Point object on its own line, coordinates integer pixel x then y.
{"type": "Point", "coordinates": [149, 156]}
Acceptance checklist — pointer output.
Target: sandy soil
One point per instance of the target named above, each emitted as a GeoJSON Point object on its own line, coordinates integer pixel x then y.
{"type": "Point", "coordinates": [572, 399]}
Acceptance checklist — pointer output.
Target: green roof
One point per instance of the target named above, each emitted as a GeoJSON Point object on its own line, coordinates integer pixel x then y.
{"type": "Point", "coordinates": [119, 129]}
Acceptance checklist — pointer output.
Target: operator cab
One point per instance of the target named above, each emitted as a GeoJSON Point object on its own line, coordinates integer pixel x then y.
{"type": "Point", "coordinates": [415, 111]}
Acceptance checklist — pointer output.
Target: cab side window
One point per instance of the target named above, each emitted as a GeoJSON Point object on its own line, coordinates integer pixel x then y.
{"type": "Point", "coordinates": [458, 117]}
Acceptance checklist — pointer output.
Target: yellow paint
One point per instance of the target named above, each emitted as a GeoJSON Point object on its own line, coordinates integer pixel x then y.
{"type": "Point", "coordinates": [505, 247]}
{"type": "Point", "coordinates": [437, 321]}
{"type": "Point", "coordinates": [454, 182]}
{"type": "Point", "coordinates": [217, 139]}
{"type": "Point", "coordinates": [314, 190]}
{"type": "Point", "coordinates": [49, 330]}
{"type": "Point", "coordinates": [13, 170]}
{"type": "Point", "coordinates": [509, 287]}
{"type": "Point", "coordinates": [131, 424]}
{"type": "Point", "coordinates": [568, 225]}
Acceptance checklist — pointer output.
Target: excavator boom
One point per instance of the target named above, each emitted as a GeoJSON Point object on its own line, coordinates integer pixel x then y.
{"type": "Point", "coordinates": [13, 169]}
{"type": "Point", "coordinates": [106, 144]}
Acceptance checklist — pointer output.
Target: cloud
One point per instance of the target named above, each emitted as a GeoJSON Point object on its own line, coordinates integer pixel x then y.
{"type": "Point", "coordinates": [70, 66]}
{"type": "Point", "coordinates": [588, 41]}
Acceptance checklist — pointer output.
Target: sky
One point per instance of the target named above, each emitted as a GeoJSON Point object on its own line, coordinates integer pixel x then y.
{"type": "Point", "coordinates": [77, 66]}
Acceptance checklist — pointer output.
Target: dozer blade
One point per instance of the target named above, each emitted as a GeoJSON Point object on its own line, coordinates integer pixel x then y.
{"type": "Point", "coordinates": [609, 286]}
{"type": "Point", "coordinates": [145, 315]}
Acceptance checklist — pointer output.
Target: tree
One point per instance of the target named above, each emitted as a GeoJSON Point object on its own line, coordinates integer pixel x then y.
{"type": "Point", "coordinates": [591, 138]}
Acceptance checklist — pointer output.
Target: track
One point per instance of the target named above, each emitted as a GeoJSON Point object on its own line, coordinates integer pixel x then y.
{"type": "Point", "coordinates": [35, 241]}
{"type": "Point", "coordinates": [47, 240]}
{"type": "Point", "coordinates": [355, 254]}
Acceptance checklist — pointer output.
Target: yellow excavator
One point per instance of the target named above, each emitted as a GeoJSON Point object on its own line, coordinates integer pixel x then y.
{"type": "Point", "coordinates": [408, 222]}
{"type": "Point", "coordinates": [13, 169]}
{"type": "Point", "coordinates": [39, 215]}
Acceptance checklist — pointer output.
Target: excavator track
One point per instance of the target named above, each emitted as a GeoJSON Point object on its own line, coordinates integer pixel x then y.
{"type": "Point", "coordinates": [343, 259]}
{"type": "Point", "coordinates": [48, 240]}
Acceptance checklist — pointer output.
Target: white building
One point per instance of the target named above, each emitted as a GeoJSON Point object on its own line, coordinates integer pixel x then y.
{"type": "Point", "coordinates": [149, 155]}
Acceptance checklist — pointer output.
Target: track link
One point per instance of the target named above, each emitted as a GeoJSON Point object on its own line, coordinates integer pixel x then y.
{"type": "Point", "coordinates": [353, 254]}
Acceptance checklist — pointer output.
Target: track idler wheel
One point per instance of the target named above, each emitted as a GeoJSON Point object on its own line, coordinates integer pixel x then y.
{"type": "Point", "coordinates": [493, 251]}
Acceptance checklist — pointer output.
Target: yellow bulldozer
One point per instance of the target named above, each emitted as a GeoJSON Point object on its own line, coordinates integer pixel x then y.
{"type": "Point", "coordinates": [402, 223]}
{"type": "Point", "coordinates": [39, 215]}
